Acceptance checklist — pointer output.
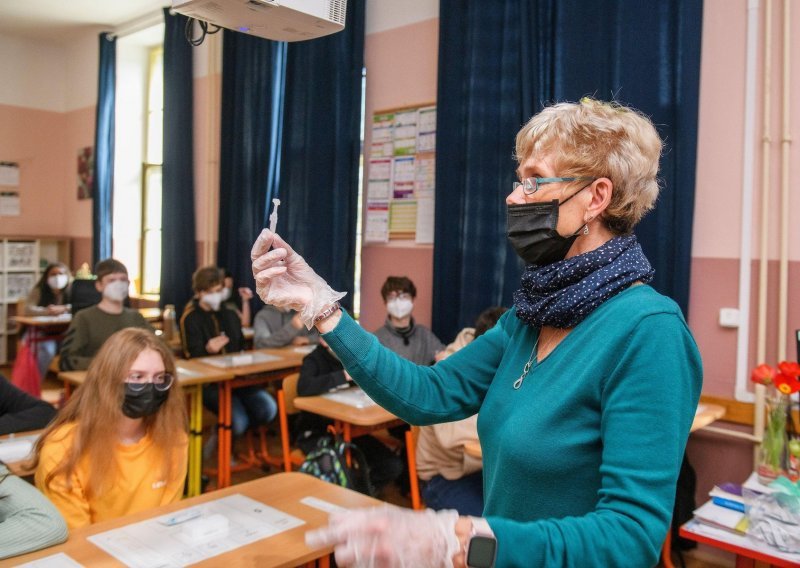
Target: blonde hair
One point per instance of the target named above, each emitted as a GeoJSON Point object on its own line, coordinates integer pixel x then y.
{"type": "Point", "coordinates": [600, 139]}
{"type": "Point", "coordinates": [96, 407]}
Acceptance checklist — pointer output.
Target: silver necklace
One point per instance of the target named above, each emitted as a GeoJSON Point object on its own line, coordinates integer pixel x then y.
{"type": "Point", "coordinates": [527, 367]}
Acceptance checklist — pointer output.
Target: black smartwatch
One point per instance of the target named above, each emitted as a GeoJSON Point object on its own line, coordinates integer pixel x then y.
{"type": "Point", "coordinates": [482, 545]}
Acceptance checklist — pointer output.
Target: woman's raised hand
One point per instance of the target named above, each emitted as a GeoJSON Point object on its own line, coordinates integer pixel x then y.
{"type": "Point", "coordinates": [285, 280]}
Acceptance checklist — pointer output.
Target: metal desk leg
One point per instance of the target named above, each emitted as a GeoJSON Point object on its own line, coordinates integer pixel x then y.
{"type": "Point", "coordinates": [225, 434]}
{"type": "Point", "coordinates": [195, 440]}
{"type": "Point", "coordinates": [287, 458]}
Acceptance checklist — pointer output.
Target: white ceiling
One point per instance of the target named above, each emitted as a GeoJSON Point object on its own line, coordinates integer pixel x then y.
{"type": "Point", "coordinates": [60, 21]}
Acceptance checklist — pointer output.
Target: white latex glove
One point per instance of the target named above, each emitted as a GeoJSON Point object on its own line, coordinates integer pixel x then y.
{"type": "Point", "coordinates": [285, 280]}
{"type": "Point", "coordinates": [390, 537]}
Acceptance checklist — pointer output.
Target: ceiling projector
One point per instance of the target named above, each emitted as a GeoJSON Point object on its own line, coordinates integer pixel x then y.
{"type": "Point", "coordinates": [281, 20]}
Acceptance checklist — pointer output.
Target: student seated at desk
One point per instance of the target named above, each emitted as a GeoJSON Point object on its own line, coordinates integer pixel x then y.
{"type": "Point", "coordinates": [239, 302]}
{"type": "Point", "coordinates": [323, 372]}
{"type": "Point", "coordinates": [28, 521]}
{"type": "Point", "coordinates": [120, 444]}
{"type": "Point", "coordinates": [450, 478]}
{"type": "Point", "coordinates": [49, 297]}
{"type": "Point", "coordinates": [209, 328]}
{"type": "Point", "coordinates": [91, 327]}
{"type": "Point", "coordinates": [21, 412]}
{"type": "Point", "coordinates": [274, 327]}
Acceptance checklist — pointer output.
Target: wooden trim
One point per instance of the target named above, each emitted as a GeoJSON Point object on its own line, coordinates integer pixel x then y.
{"type": "Point", "coordinates": [735, 411]}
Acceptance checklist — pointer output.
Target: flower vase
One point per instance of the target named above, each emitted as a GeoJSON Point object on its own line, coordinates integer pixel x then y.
{"type": "Point", "coordinates": [774, 452]}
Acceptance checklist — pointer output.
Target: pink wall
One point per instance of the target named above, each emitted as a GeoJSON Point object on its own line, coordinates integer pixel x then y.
{"type": "Point", "coordinates": [401, 71]}
{"type": "Point", "coordinates": [46, 144]}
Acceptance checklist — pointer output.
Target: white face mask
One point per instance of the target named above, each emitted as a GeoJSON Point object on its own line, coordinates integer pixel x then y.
{"type": "Point", "coordinates": [116, 291]}
{"type": "Point", "coordinates": [58, 281]}
{"type": "Point", "coordinates": [213, 300]}
{"type": "Point", "coordinates": [226, 294]}
{"type": "Point", "coordinates": [399, 307]}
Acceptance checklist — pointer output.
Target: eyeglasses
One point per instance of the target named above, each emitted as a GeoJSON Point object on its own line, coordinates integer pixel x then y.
{"type": "Point", "coordinates": [531, 185]}
{"type": "Point", "coordinates": [400, 296]}
{"type": "Point", "coordinates": [138, 381]}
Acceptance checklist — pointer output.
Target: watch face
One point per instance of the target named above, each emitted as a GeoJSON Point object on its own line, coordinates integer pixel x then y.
{"type": "Point", "coordinates": [481, 552]}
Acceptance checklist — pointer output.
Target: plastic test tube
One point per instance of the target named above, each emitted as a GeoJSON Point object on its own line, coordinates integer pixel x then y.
{"type": "Point", "coordinates": [273, 217]}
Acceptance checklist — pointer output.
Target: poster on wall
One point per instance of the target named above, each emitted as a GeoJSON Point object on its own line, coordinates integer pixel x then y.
{"type": "Point", "coordinates": [85, 172]}
{"type": "Point", "coordinates": [9, 174]}
{"type": "Point", "coordinates": [9, 204]}
{"type": "Point", "coordinates": [401, 175]}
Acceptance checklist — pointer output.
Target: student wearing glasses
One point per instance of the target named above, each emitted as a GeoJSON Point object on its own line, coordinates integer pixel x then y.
{"type": "Point", "coordinates": [120, 444]}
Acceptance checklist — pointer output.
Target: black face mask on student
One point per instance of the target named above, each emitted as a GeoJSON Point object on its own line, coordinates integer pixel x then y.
{"type": "Point", "coordinates": [143, 401]}
{"type": "Point", "coordinates": [532, 231]}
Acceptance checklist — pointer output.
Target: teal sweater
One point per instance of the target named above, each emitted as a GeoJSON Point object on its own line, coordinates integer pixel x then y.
{"type": "Point", "coordinates": [580, 463]}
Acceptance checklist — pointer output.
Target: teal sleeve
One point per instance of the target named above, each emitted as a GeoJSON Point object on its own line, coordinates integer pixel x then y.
{"type": "Point", "coordinates": [647, 404]}
{"type": "Point", "coordinates": [450, 390]}
{"type": "Point", "coordinates": [28, 521]}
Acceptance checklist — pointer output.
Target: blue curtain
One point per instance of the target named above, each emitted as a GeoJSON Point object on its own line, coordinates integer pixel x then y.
{"type": "Point", "coordinates": [103, 189]}
{"type": "Point", "coordinates": [321, 146]}
{"type": "Point", "coordinates": [253, 76]}
{"type": "Point", "coordinates": [178, 245]}
{"type": "Point", "coordinates": [499, 63]}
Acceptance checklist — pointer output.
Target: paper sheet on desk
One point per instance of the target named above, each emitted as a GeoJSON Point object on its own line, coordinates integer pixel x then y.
{"type": "Point", "coordinates": [239, 360]}
{"type": "Point", "coordinates": [150, 543]}
{"type": "Point", "coordinates": [352, 397]}
{"type": "Point", "coordinates": [59, 560]}
{"type": "Point", "coordinates": [16, 449]}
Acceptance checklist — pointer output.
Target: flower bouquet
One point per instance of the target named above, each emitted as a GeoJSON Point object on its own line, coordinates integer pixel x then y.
{"type": "Point", "coordinates": [780, 444]}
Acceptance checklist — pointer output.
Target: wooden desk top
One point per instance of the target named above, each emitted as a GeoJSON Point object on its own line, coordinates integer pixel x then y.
{"type": "Point", "coordinates": [704, 415]}
{"type": "Point", "coordinates": [288, 358]}
{"type": "Point", "coordinates": [190, 372]}
{"type": "Point", "coordinates": [150, 314]}
{"type": "Point", "coordinates": [282, 491]}
{"type": "Point", "coordinates": [367, 416]}
{"type": "Point", "coordinates": [44, 321]}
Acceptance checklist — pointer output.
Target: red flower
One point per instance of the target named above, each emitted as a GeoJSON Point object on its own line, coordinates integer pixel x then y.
{"type": "Point", "coordinates": [785, 384]}
{"type": "Point", "coordinates": [763, 374]}
{"type": "Point", "coordinates": [789, 368]}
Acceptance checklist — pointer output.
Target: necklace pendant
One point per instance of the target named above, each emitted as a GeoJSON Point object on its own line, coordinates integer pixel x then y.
{"type": "Point", "coordinates": [518, 382]}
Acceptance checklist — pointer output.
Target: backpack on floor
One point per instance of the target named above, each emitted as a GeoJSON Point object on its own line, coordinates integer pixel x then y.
{"type": "Point", "coordinates": [328, 462]}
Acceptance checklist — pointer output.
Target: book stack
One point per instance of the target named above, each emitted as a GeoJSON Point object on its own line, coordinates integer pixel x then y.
{"type": "Point", "coordinates": [727, 507]}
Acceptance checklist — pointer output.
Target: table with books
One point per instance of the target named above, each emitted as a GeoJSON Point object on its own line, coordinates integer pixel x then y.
{"type": "Point", "coordinates": [722, 523]}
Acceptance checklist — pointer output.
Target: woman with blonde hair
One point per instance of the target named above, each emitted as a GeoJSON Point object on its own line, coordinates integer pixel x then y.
{"type": "Point", "coordinates": [565, 385]}
{"type": "Point", "coordinates": [120, 444]}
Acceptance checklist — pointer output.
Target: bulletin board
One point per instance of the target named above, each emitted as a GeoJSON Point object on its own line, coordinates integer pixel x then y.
{"type": "Point", "coordinates": [401, 175]}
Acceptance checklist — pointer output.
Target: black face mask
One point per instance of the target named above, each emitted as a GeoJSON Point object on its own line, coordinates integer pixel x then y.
{"type": "Point", "coordinates": [532, 231]}
{"type": "Point", "coordinates": [144, 402]}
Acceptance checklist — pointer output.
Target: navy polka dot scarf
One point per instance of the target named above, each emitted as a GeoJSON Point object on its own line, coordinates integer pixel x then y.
{"type": "Point", "coordinates": [563, 293]}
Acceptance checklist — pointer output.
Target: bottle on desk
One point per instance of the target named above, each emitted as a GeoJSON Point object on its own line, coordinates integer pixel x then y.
{"type": "Point", "coordinates": [170, 330]}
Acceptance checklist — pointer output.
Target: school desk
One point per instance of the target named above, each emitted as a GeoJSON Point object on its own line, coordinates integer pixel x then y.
{"type": "Point", "coordinates": [351, 421]}
{"type": "Point", "coordinates": [191, 376]}
{"type": "Point", "coordinates": [19, 467]}
{"type": "Point", "coordinates": [286, 360]}
{"type": "Point", "coordinates": [746, 551]}
{"type": "Point", "coordinates": [283, 491]}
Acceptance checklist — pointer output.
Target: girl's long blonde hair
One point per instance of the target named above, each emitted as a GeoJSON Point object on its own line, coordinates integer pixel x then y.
{"type": "Point", "coordinates": [96, 407]}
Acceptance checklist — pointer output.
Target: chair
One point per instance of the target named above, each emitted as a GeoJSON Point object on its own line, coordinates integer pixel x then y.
{"type": "Point", "coordinates": [84, 294]}
{"type": "Point", "coordinates": [286, 395]}
{"type": "Point", "coordinates": [412, 435]}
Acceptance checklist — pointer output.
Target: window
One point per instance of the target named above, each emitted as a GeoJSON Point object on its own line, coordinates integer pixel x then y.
{"type": "Point", "coordinates": [151, 176]}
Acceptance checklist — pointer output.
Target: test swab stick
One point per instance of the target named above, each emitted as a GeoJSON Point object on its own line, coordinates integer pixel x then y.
{"type": "Point", "coordinates": [273, 217]}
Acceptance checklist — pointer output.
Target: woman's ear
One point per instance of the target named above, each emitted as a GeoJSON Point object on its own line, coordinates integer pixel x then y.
{"type": "Point", "coordinates": [601, 192]}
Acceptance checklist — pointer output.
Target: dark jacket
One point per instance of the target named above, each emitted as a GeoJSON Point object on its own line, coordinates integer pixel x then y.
{"type": "Point", "coordinates": [20, 412]}
{"type": "Point", "coordinates": [198, 326]}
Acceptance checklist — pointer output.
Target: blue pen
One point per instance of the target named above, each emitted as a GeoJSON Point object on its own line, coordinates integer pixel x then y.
{"type": "Point", "coordinates": [728, 504]}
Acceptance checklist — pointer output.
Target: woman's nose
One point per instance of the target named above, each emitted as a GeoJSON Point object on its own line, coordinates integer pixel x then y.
{"type": "Point", "coordinates": [516, 197]}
